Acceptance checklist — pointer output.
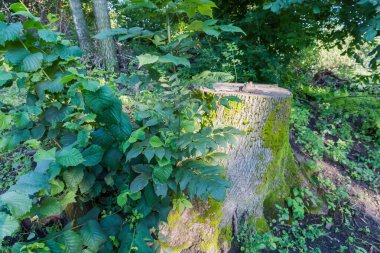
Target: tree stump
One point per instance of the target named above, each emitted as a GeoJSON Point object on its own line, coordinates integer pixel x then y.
{"type": "Point", "coordinates": [260, 167]}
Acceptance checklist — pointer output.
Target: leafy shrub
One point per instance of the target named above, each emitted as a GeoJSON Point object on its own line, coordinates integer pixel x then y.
{"type": "Point", "coordinates": [90, 153]}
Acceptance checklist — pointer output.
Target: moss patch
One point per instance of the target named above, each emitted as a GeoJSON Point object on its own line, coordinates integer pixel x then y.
{"type": "Point", "coordinates": [282, 173]}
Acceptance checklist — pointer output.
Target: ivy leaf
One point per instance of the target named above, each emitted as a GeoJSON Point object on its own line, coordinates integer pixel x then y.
{"type": "Point", "coordinates": [73, 242]}
{"type": "Point", "coordinates": [32, 62]}
{"type": "Point", "coordinates": [231, 28]}
{"type": "Point", "coordinates": [18, 203]}
{"type": "Point", "coordinates": [92, 155]}
{"type": "Point", "coordinates": [8, 225]}
{"type": "Point", "coordinates": [139, 183]}
{"type": "Point", "coordinates": [93, 235]}
{"type": "Point", "coordinates": [145, 59]}
{"type": "Point", "coordinates": [47, 35]}
{"type": "Point", "coordinates": [69, 157]}
{"type": "Point", "coordinates": [155, 142]}
{"type": "Point", "coordinates": [73, 176]}
{"type": "Point", "coordinates": [9, 32]}
{"type": "Point", "coordinates": [169, 58]}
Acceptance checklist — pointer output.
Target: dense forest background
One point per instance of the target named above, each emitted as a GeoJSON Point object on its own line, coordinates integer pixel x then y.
{"type": "Point", "coordinates": [99, 119]}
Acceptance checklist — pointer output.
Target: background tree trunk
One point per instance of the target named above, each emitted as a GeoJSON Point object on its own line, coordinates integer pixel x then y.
{"type": "Point", "coordinates": [81, 27]}
{"type": "Point", "coordinates": [107, 46]}
{"type": "Point", "coordinates": [260, 167]}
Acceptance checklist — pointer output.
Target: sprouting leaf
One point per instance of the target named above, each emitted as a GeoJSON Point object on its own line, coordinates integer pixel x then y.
{"type": "Point", "coordinates": [145, 59]}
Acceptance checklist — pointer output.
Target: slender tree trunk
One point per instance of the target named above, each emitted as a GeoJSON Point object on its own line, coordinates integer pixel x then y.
{"type": "Point", "coordinates": [81, 27]}
{"type": "Point", "coordinates": [260, 167]}
{"type": "Point", "coordinates": [107, 46]}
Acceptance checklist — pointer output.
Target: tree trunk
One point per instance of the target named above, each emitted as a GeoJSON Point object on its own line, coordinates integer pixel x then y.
{"type": "Point", "coordinates": [260, 167]}
{"type": "Point", "coordinates": [81, 27]}
{"type": "Point", "coordinates": [107, 46]}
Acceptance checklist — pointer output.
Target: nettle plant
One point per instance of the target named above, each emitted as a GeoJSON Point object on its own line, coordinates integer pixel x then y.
{"type": "Point", "coordinates": [91, 158]}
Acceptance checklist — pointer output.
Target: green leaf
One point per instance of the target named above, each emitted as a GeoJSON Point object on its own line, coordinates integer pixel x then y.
{"type": "Point", "coordinates": [21, 119]}
{"type": "Point", "coordinates": [47, 35]}
{"type": "Point", "coordinates": [112, 224]}
{"type": "Point", "coordinates": [9, 32]}
{"type": "Point", "coordinates": [162, 174]}
{"type": "Point", "coordinates": [149, 153]}
{"type": "Point", "coordinates": [92, 155]}
{"type": "Point", "coordinates": [5, 77]}
{"type": "Point", "coordinates": [31, 183]}
{"type": "Point", "coordinates": [231, 28]}
{"type": "Point", "coordinates": [122, 199]}
{"type": "Point", "coordinates": [18, 7]}
{"type": "Point", "coordinates": [8, 225]}
{"type": "Point", "coordinates": [169, 58]}
{"type": "Point", "coordinates": [135, 151]}
{"type": "Point", "coordinates": [145, 59]}
{"type": "Point", "coordinates": [93, 235]}
{"type": "Point", "coordinates": [18, 203]}
{"type": "Point", "coordinates": [90, 85]}
{"type": "Point", "coordinates": [73, 177]}
{"type": "Point", "coordinates": [57, 186]}
{"type": "Point", "coordinates": [68, 199]}
{"type": "Point", "coordinates": [48, 155]}
{"type": "Point", "coordinates": [32, 62]}
{"type": "Point", "coordinates": [155, 142]}
{"type": "Point", "coordinates": [50, 206]}
{"type": "Point", "coordinates": [72, 241]}
{"type": "Point", "coordinates": [101, 99]}
{"type": "Point", "coordinates": [87, 182]}
{"type": "Point", "coordinates": [139, 183]}
{"type": "Point", "coordinates": [69, 157]}
{"type": "Point", "coordinates": [15, 57]}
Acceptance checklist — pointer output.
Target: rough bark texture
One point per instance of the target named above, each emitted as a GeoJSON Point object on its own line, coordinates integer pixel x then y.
{"type": "Point", "coordinates": [107, 46]}
{"type": "Point", "coordinates": [81, 27]}
{"type": "Point", "coordinates": [261, 169]}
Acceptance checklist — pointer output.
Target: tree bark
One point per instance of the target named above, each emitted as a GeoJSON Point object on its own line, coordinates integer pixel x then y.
{"type": "Point", "coordinates": [81, 27]}
{"type": "Point", "coordinates": [107, 46]}
{"type": "Point", "coordinates": [260, 167]}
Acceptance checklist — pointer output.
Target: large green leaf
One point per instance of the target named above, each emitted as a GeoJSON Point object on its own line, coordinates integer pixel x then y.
{"type": "Point", "coordinates": [145, 59]}
{"type": "Point", "coordinates": [18, 203]}
{"type": "Point", "coordinates": [9, 32]}
{"type": "Point", "coordinates": [32, 62]}
{"type": "Point", "coordinates": [87, 182]}
{"type": "Point", "coordinates": [92, 155]}
{"type": "Point", "coordinates": [169, 58]}
{"type": "Point", "coordinates": [101, 99]}
{"type": "Point", "coordinates": [231, 28]}
{"type": "Point", "coordinates": [31, 183]}
{"type": "Point", "coordinates": [93, 235]}
{"type": "Point", "coordinates": [42, 155]}
{"type": "Point", "coordinates": [162, 174]}
{"type": "Point", "coordinates": [8, 225]}
{"type": "Point", "coordinates": [155, 142]}
{"type": "Point", "coordinates": [15, 57]}
{"type": "Point", "coordinates": [21, 119]}
{"type": "Point", "coordinates": [47, 35]}
{"type": "Point", "coordinates": [50, 206]}
{"type": "Point", "coordinates": [69, 157]}
{"type": "Point", "coordinates": [73, 176]}
{"type": "Point", "coordinates": [139, 183]}
{"type": "Point", "coordinates": [112, 224]}
{"type": "Point", "coordinates": [72, 241]}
